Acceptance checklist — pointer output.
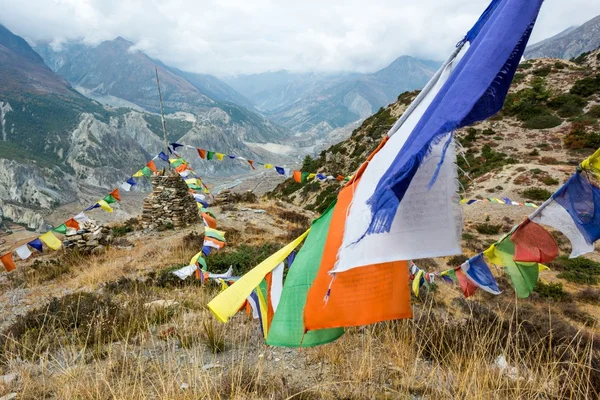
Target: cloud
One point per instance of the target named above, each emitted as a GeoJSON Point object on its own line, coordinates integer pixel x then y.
{"type": "Point", "coordinates": [224, 37]}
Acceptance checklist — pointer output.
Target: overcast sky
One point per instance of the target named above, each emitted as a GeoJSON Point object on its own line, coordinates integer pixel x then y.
{"type": "Point", "coordinates": [225, 37]}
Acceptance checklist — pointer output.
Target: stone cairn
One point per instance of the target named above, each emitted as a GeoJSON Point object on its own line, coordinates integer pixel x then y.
{"type": "Point", "coordinates": [170, 203]}
{"type": "Point", "coordinates": [90, 238]}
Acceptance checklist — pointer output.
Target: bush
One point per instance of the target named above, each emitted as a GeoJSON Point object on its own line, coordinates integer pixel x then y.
{"type": "Point", "coordinates": [579, 138]}
{"type": "Point", "coordinates": [525, 65]}
{"type": "Point", "coordinates": [580, 264]}
{"type": "Point", "coordinates": [295, 217]}
{"type": "Point", "coordinates": [537, 194]}
{"type": "Point", "coordinates": [586, 87]}
{"type": "Point", "coordinates": [552, 291]}
{"type": "Point", "coordinates": [568, 105]}
{"type": "Point", "coordinates": [542, 71]}
{"type": "Point", "coordinates": [121, 230]}
{"type": "Point", "coordinates": [243, 259]}
{"type": "Point", "coordinates": [589, 295]}
{"type": "Point", "coordinates": [488, 229]}
{"type": "Point", "coordinates": [542, 122]}
{"type": "Point", "coordinates": [457, 260]}
{"type": "Point", "coordinates": [559, 65]}
{"type": "Point", "coordinates": [594, 111]}
{"type": "Point", "coordinates": [578, 277]}
{"type": "Point", "coordinates": [548, 180]}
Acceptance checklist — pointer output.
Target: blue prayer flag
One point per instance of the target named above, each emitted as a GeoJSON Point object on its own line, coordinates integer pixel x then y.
{"type": "Point", "coordinates": [36, 244]}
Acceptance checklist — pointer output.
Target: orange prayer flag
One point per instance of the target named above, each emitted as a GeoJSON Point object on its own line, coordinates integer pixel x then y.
{"type": "Point", "coordinates": [72, 223]}
{"type": "Point", "coordinates": [210, 221]}
{"type": "Point", "coordinates": [202, 153]}
{"type": "Point", "coordinates": [251, 162]}
{"type": "Point", "coordinates": [115, 193]}
{"type": "Point", "coordinates": [298, 176]}
{"type": "Point", "coordinates": [360, 296]}
{"type": "Point", "coordinates": [340, 178]}
{"type": "Point", "coordinates": [152, 166]}
{"type": "Point", "coordinates": [270, 311]}
{"type": "Point", "coordinates": [8, 262]}
{"type": "Point", "coordinates": [182, 168]}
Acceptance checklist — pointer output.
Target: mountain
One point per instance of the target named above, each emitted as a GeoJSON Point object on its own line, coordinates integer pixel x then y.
{"type": "Point", "coordinates": [317, 104]}
{"type": "Point", "coordinates": [114, 73]}
{"type": "Point", "coordinates": [568, 44]}
{"type": "Point", "coordinates": [550, 122]}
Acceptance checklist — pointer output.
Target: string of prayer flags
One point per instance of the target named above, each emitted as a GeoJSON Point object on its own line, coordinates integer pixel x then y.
{"type": "Point", "coordinates": [506, 201]}
{"type": "Point", "coordinates": [23, 252]}
{"type": "Point", "coordinates": [50, 240]}
{"type": "Point", "coordinates": [8, 262]}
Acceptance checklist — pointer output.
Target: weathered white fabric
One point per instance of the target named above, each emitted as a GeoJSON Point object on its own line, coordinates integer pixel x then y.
{"type": "Point", "coordinates": [23, 252]}
{"type": "Point", "coordinates": [276, 286]}
{"type": "Point", "coordinates": [185, 272]}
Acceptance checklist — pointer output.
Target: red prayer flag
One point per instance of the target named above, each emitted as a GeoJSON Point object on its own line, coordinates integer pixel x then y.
{"type": "Point", "coordinates": [298, 176]}
{"type": "Point", "coordinates": [210, 221]}
{"type": "Point", "coordinates": [533, 244]}
{"type": "Point", "coordinates": [152, 166]}
{"type": "Point", "coordinates": [468, 288]}
{"type": "Point", "coordinates": [115, 193]}
{"type": "Point", "coordinates": [251, 162]}
{"type": "Point", "coordinates": [8, 262]}
{"type": "Point", "coordinates": [72, 223]}
{"type": "Point", "coordinates": [202, 153]}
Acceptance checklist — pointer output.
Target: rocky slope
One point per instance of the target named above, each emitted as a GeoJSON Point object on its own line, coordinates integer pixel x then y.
{"type": "Point", "coordinates": [569, 43]}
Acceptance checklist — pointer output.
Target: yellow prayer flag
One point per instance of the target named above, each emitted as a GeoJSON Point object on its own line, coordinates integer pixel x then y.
{"type": "Point", "coordinates": [310, 176]}
{"type": "Point", "coordinates": [491, 255]}
{"type": "Point", "coordinates": [263, 309]}
{"type": "Point", "coordinates": [592, 163]}
{"type": "Point", "coordinates": [104, 205]}
{"type": "Point", "coordinates": [268, 166]}
{"type": "Point", "coordinates": [463, 201]}
{"type": "Point", "coordinates": [416, 283]}
{"type": "Point", "coordinates": [227, 303]}
{"type": "Point", "coordinates": [194, 259]}
{"type": "Point", "coordinates": [51, 241]}
{"type": "Point", "coordinates": [138, 174]}
{"type": "Point", "coordinates": [542, 267]}
{"type": "Point", "coordinates": [220, 156]}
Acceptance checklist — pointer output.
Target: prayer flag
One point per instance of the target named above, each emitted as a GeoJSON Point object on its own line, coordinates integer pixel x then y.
{"type": "Point", "coordinates": [479, 273]}
{"type": "Point", "coordinates": [131, 181]}
{"type": "Point", "coordinates": [185, 272]}
{"type": "Point", "coordinates": [340, 178]}
{"type": "Point", "coordinates": [468, 288]}
{"type": "Point", "coordinates": [125, 186]}
{"type": "Point", "coordinates": [592, 163]}
{"type": "Point", "coordinates": [8, 262]}
{"type": "Point", "coordinates": [50, 240]}
{"type": "Point", "coordinates": [220, 156]}
{"type": "Point", "coordinates": [321, 177]}
{"type": "Point", "coordinates": [152, 166]}
{"type": "Point", "coordinates": [147, 172]}
{"type": "Point", "coordinates": [176, 162]}
{"type": "Point", "coordinates": [401, 204]}
{"type": "Point", "coordinates": [116, 195]}
{"type": "Point", "coordinates": [310, 176]}
{"type": "Point", "coordinates": [163, 156]}
{"type": "Point", "coordinates": [209, 221]}
{"type": "Point", "coordinates": [138, 174]}
{"type": "Point", "coordinates": [36, 244]}
{"type": "Point", "coordinates": [228, 302]}
{"type": "Point", "coordinates": [202, 153]}
{"type": "Point", "coordinates": [251, 163]}
{"type": "Point", "coordinates": [298, 176]}
{"type": "Point", "coordinates": [92, 207]}
{"type": "Point", "coordinates": [23, 252]}
{"type": "Point", "coordinates": [361, 296]}
{"type": "Point", "coordinates": [81, 218]}
{"type": "Point", "coordinates": [214, 243]}
{"type": "Point", "coordinates": [210, 155]}
{"type": "Point", "coordinates": [109, 199]}
{"type": "Point", "coordinates": [72, 223]}
{"type": "Point", "coordinates": [175, 146]}
{"type": "Point", "coordinates": [213, 233]}
{"type": "Point", "coordinates": [290, 259]}
{"type": "Point", "coordinates": [232, 156]}
{"type": "Point", "coordinates": [553, 214]}
{"type": "Point", "coordinates": [62, 229]}
{"type": "Point", "coordinates": [533, 243]}
{"type": "Point", "coordinates": [104, 205]}
{"type": "Point", "coordinates": [280, 170]}
{"type": "Point", "coordinates": [304, 176]}
{"type": "Point", "coordinates": [268, 166]}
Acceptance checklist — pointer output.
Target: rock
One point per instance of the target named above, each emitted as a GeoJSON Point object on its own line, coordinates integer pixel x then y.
{"type": "Point", "coordinates": [207, 367]}
{"type": "Point", "coordinates": [9, 396]}
{"type": "Point", "coordinates": [259, 211]}
{"type": "Point", "coordinates": [98, 250]}
{"type": "Point", "coordinates": [8, 378]}
{"type": "Point", "coordinates": [184, 386]}
{"type": "Point", "coordinates": [161, 304]}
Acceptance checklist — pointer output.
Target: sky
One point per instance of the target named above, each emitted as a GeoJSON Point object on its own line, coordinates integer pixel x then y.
{"type": "Point", "coordinates": [229, 37]}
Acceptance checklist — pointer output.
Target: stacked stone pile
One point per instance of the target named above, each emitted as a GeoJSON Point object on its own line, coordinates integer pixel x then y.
{"type": "Point", "coordinates": [90, 238]}
{"type": "Point", "coordinates": [170, 203]}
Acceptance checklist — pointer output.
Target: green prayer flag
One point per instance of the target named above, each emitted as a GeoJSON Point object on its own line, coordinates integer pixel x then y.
{"type": "Point", "coordinates": [524, 275]}
{"type": "Point", "coordinates": [210, 155]}
{"type": "Point", "coordinates": [109, 199]}
{"type": "Point", "coordinates": [147, 172]}
{"type": "Point", "coordinates": [304, 176]}
{"type": "Point", "coordinates": [452, 275]}
{"type": "Point", "coordinates": [202, 262]}
{"type": "Point", "coordinates": [287, 328]}
{"type": "Point", "coordinates": [61, 229]}
{"type": "Point", "coordinates": [177, 162]}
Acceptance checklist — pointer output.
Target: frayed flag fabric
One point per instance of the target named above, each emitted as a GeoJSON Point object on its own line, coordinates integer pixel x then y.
{"type": "Point", "coordinates": [554, 215]}
{"type": "Point", "coordinates": [82, 218]}
{"type": "Point", "coordinates": [533, 243]}
{"type": "Point", "coordinates": [479, 273]}
{"type": "Point", "coordinates": [469, 87]}
{"type": "Point", "coordinates": [185, 272]}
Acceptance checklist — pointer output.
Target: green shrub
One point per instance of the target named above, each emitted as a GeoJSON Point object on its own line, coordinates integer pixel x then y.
{"type": "Point", "coordinates": [243, 258]}
{"type": "Point", "coordinates": [559, 65]}
{"type": "Point", "coordinates": [548, 180]}
{"type": "Point", "coordinates": [578, 277]}
{"type": "Point", "coordinates": [542, 122]}
{"type": "Point", "coordinates": [519, 77]}
{"type": "Point", "coordinates": [580, 264]}
{"type": "Point", "coordinates": [529, 102]}
{"type": "Point", "coordinates": [552, 291]}
{"type": "Point", "coordinates": [568, 105]}
{"type": "Point", "coordinates": [542, 71]}
{"type": "Point", "coordinates": [488, 229]}
{"type": "Point", "coordinates": [537, 194]}
{"type": "Point", "coordinates": [579, 138]}
{"type": "Point", "coordinates": [587, 86]}
{"type": "Point", "coordinates": [457, 260]}
{"type": "Point", "coordinates": [121, 230]}
{"type": "Point", "coordinates": [594, 111]}
{"type": "Point", "coordinates": [525, 65]}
